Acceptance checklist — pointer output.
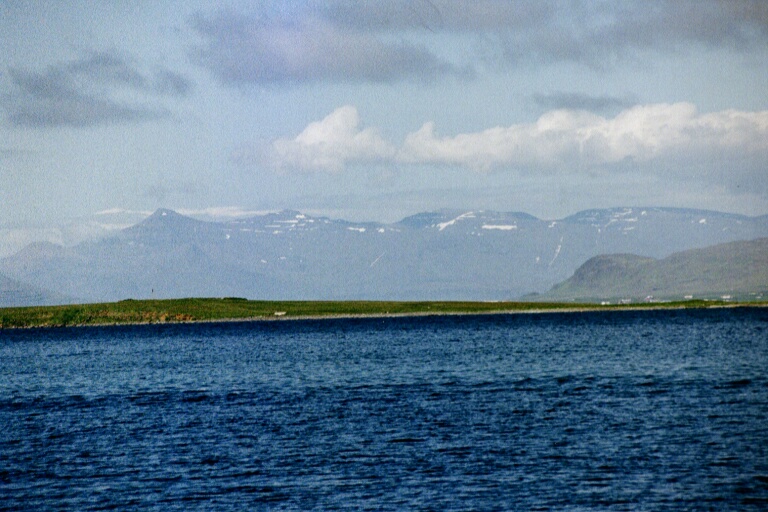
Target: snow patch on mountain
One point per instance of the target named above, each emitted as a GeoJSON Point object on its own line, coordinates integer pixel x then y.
{"type": "Point", "coordinates": [469, 215]}
{"type": "Point", "coordinates": [500, 227]}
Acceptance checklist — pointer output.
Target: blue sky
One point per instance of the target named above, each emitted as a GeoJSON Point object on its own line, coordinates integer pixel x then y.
{"type": "Point", "coordinates": [376, 110]}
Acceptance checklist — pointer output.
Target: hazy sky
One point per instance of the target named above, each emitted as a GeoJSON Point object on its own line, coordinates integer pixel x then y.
{"type": "Point", "coordinates": [376, 110]}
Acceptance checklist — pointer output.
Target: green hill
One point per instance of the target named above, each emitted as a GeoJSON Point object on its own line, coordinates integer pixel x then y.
{"type": "Point", "coordinates": [736, 269]}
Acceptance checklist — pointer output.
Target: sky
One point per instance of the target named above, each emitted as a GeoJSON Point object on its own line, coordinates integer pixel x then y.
{"type": "Point", "coordinates": [375, 110]}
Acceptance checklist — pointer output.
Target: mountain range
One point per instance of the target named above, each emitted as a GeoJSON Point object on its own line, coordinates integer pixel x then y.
{"type": "Point", "coordinates": [446, 255]}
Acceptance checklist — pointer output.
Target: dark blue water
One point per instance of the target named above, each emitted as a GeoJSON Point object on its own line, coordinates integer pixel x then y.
{"type": "Point", "coordinates": [587, 411]}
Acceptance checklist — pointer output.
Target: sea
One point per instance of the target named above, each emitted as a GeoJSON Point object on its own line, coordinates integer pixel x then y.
{"type": "Point", "coordinates": [621, 410]}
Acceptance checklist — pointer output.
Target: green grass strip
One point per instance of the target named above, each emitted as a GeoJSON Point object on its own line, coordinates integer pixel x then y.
{"type": "Point", "coordinates": [215, 309]}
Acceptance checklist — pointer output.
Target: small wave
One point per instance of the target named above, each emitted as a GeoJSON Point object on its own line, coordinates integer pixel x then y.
{"type": "Point", "coordinates": [740, 383]}
{"type": "Point", "coordinates": [406, 440]}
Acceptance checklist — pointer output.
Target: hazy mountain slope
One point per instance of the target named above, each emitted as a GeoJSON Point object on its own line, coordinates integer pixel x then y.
{"type": "Point", "coordinates": [14, 293]}
{"type": "Point", "coordinates": [735, 268]}
{"type": "Point", "coordinates": [167, 255]}
{"type": "Point", "coordinates": [448, 254]}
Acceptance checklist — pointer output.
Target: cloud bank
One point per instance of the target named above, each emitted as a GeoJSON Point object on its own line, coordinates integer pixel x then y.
{"type": "Point", "coordinates": [563, 139]}
{"type": "Point", "coordinates": [351, 41]}
{"type": "Point", "coordinates": [242, 49]}
{"type": "Point", "coordinates": [101, 88]}
{"type": "Point", "coordinates": [656, 137]}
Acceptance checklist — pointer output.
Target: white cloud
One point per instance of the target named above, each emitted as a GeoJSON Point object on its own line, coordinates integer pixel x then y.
{"type": "Point", "coordinates": [567, 139]}
{"type": "Point", "coordinates": [222, 213]}
{"type": "Point", "coordinates": [543, 143]}
{"type": "Point", "coordinates": [559, 141]}
{"type": "Point", "coordinates": [331, 144]}
{"type": "Point", "coordinates": [123, 211]}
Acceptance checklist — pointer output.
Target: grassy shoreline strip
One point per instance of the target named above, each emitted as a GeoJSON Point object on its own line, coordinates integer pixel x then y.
{"type": "Point", "coordinates": [235, 309]}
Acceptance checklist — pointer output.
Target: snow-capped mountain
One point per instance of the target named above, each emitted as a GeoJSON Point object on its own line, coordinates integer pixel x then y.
{"type": "Point", "coordinates": [477, 255]}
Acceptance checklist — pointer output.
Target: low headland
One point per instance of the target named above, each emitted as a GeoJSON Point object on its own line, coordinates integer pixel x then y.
{"type": "Point", "coordinates": [237, 309]}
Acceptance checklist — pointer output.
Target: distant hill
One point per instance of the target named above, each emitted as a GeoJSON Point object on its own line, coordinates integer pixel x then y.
{"type": "Point", "coordinates": [14, 293]}
{"type": "Point", "coordinates": [441, 255]}
{"type": "Point", "coordinates": [736, 269]}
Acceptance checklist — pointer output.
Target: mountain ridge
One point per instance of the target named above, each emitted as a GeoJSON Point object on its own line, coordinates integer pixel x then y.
{"type": "Point", "coordinates": [445, 254]}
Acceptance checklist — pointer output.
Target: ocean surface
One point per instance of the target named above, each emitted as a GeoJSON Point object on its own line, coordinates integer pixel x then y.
{"type": "Point", "coordinates": [653, 410]}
